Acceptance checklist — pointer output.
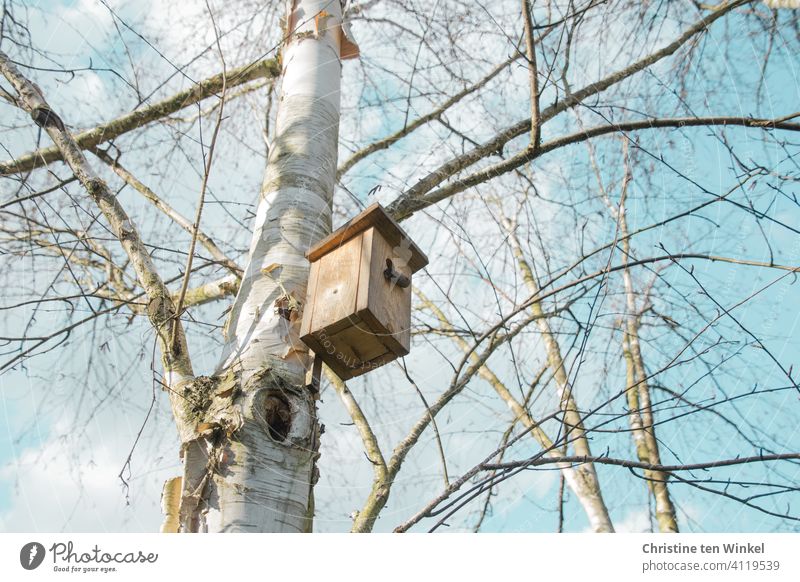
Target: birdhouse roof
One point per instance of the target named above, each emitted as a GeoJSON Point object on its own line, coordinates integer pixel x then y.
{"type": "Point", "coordinates": [374, 216]}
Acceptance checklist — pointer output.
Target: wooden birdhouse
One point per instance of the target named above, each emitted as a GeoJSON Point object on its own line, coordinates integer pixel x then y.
{"type": "Point", "coordinates": [357, 314]}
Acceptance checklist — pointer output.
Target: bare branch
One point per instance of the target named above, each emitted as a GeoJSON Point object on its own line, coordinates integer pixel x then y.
{"type": "Point", "coordinates": [536, 129]}
{"type": "Point", "coordinates": [160, 308]}
{"type": "Point", "coordinates": [414, 198]}
{"type": "Point", "coordinates": [529, 154]}
{"type": "Point", "coordinates": [215, 252]}
{"type": "Point", "coordinates": [141, 117]}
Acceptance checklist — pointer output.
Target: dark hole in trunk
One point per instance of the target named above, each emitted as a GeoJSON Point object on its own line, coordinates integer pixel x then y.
{"type": "Point", "coordinates": [278, 416]}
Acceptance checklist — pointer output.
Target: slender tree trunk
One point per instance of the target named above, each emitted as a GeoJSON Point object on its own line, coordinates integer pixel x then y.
{"type": "Point", "coordinates": [638, 396]}
{"type": "Point", "coordinates": [250, 466]}
{"type": "Point", "coordinates": [591, 497]}
{"type": "Point", "coordinates": [640, 415]}
{"type": "Point", "coordinates": [642, 429]}
{"type": "Point", "coordinates": [575, 480]}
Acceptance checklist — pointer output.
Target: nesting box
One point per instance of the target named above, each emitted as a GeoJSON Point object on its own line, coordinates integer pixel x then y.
{"type": "Point", "coordinates": [357, 314]}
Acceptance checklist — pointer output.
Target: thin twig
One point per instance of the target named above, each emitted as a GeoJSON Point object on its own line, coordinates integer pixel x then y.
{"type": "Point", "coordinates": [206, 173]}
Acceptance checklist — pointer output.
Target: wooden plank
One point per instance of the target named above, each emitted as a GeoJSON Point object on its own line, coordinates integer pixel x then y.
{"type": "Point", "coordinates": [357, 345]}
{"type": "Point", "coordinates": [322, 349]}
{"type": "Point", "coordinates": [349, 350]}
{"type": "Point", "coordinates": [365, 270]}
{"type": "Point", "coordinates": [314, 373]}
{"type": "Point", "coordinates": [336, 286]}
{"type": "Point", "coordinates": [375, 216]}
{"type": "Point", "coordinates": [308, 306]}
{"type": "Point", "coordinates": [388, 306]}
{"type": "Point", "coordinates": [372, 364]}
{"type": "Point", "coordinates": [391, 341]}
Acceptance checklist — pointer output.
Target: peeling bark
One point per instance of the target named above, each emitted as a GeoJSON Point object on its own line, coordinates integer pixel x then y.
{"type": "Point", "coordinates": [170, 505]}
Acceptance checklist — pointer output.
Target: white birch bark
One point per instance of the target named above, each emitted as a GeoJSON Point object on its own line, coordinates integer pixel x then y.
{"type": "Point", "coordinates": [250, 467]}
{"type": "Point", "coordinates": [638, 389]}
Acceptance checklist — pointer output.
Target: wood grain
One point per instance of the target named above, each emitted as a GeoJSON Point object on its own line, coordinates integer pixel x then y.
{"type": "Point", "coordinates": [337, 285]}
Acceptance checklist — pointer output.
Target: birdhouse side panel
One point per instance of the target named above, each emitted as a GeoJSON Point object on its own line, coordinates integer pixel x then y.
{"type": "Point", "coordinates": [382, 304]}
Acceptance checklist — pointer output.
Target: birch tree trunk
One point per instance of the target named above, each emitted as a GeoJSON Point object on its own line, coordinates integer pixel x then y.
{"type": "Point", "coordinates": [638, 393]}
{"type": "Point", "coordinates": [250, 466]}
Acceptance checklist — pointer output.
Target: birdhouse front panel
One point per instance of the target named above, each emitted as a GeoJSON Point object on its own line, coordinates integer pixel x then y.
{"type": "Point", "coordinates": [357, 314]}
{"type": "Point", "coordinates": [335, 277]}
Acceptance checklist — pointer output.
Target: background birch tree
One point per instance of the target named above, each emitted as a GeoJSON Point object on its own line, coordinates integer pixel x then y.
{"type": "Point", "coordinates": [605, 336]}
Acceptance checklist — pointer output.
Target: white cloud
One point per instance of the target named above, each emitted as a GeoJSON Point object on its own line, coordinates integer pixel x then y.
{"type": "Point", "coordinates": [70, 481]}
{"type": "Point", "coordinates": [53, 492]}
{"type": "Point", "coordinates": [637, 521]}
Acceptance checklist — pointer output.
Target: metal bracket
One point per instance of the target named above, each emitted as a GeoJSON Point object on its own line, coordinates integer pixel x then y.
{"type": "Point", "coordinates": [313, 375]}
